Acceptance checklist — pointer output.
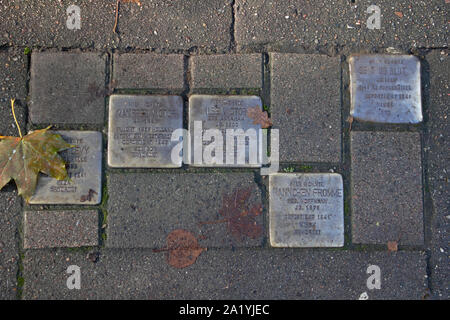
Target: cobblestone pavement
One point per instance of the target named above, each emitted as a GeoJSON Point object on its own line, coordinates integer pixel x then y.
{"type": "Point", "coordinates": [293, 55]}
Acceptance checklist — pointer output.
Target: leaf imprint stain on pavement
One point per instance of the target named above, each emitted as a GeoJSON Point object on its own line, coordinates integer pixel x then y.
{"type": "Point", "coordinates": [239, 216]}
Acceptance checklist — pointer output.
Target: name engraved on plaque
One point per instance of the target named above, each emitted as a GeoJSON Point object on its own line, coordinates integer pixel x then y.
{"type": "Point", "coordinates": [224, 113]}
{"type": "Point", "coordinates": [83, 165]}
{"type": "Point", "coordinates": [140, 130]}
{"type": "Point", "coordinates": [385, 88]}
{"type": "Point", "coordinates": [306, 210]}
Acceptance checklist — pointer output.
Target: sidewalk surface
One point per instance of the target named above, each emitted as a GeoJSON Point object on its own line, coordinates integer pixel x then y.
{"type": "Point", "coordinates": [294, 55]}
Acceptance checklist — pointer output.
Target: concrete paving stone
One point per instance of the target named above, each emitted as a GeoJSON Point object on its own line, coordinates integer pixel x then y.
{"type": "Point", "coordinates": [306, 106]}
{"type": "Point", "coordinates": [67, 87]}
{"type": "Point", "coordinates": [386, 188]}
{"type": "Point", "coordinates": [244, 274]}
{"type": "Point", "coordinates": [438, 148]}
{"type": "Point", "coordinates": [306, 210]}
{"type": "Point", "coordinates": [34, 23]}
{"type": "Point", "coordinates": [84, 168]}
{"type": "Point", "coordinates": [140, 130]}
{"type": "Point", "coordinates": [300, 24]}
{"type": "Point", "coordinates": [223, 113]}
{"type": "Point", "coordinates": [176, 24]}
{"type": "Point", "coordinates": [148, 71]}
{"type": "Point", "coordinates": [227, 71]}
{"type": "Point", "coordinates": [10, 215]}
{"type": "Point", "coordinates": [143, 208]}
{"type": "Point", "coordinates": [13, 85]}
{"type": "Point", "coordinates": [53, 229]}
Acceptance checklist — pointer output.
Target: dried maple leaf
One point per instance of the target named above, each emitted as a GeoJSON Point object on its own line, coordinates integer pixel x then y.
{"type": "Point", "coordinates": [259, 117]}
{"type": "Point", "coordinates": [239, 216]}
{"type": "Point", "coordinates": [22, 158]}
{"type": "Point", "coordinates": [182, 248]}
{"type": "Point", "coordinates": [392, 246]}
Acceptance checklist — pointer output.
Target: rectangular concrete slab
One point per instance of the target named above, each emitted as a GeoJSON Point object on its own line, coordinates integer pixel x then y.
{"type": "Point", "coordinates": [306, 210]}
{"type": "Point", "coordinates": [143, 208]}
{"type": "Point", "coordinates": [437, 143]}
{"type": "Point", "coordinates": [10, 216]}
{"type": "Point", "coordinates": [34, 23]}
{"type": "Point", "coordinates": [239, 274]}
{"type": "Point", "coordinates": [13, 85]}
{"type": "Point", "coordinates": [148, 71]}
{"type": "Point", "coordinates": [140, 131]}
{"type": "Point", "coordinates": [84, 168]}
{"type": "Point", "coordinates": [299, 25]}
{"type": "Point", "coordinates": [223, 113]}
{"type": "Point", "coordinates": [52, 229]}
{"type": "Point", "coordinates": [385, 88]}
{"type": "Point", "coordinates": [386, 188]}
{"type": "Point", "coordinates": [67, 87]}
{"type": "Point", "coordinates": [176, 24]}
{"type": "Point", "coordinates": [227, 71]}
{"type": "Point", "coordinates": [306, 106]}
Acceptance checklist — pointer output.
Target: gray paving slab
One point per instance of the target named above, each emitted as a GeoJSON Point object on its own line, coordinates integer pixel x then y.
{"type": "Point", "coordinates": [230, 71]}
{"type": "Point", "coordinates": [386, 188]}
{"type": "Point", "coordinates": [143, 208]}
{"type": "Point", "coordinates": [141, 128]}
{"type": "Point", "coordinates": [437, 146]}
{"type": "Point", "coordinates": [53, 229]}
{"type": "Point", "coordinates": [148, 71]}
{"type": "Point", "coordinates": [178, 24]}
{"type": "Point", "coordinates": [10, 215]}
{"type": "Point", "coordinates": [34, 23]}
{"type": "Point", "coordinates": [84, 168]}
{"type": "Point", "coordinates": [226, 274]}
{"type": "Point", "coordinates": [228, 116]}
{"type": "Point", "coordinates": [13, 85]}
{"type": "Point", "coordinates": [385, 88]}
{"type": "Point", "coordinates": [306, 106]}
{"type": "Point", "coordinates": [67, 87]}
{"type": "Point", "coordinates": [326, 25]}
{"type": "Point", "coordinates": [306, 210]}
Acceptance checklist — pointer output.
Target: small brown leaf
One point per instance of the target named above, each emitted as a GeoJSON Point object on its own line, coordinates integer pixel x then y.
{"type": "Point", "coordinates": [259, 117]}
{"type": "Point", "coordinates": [392, 246]}
{"type": "Point", "coordinates": [183, 248]}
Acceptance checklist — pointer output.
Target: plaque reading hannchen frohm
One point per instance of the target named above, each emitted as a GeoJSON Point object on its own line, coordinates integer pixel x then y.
{"type": "Point", "coordinates": [306, 210]}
